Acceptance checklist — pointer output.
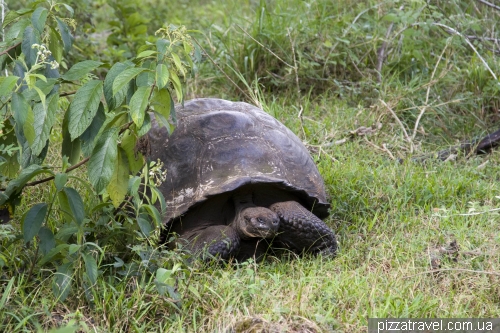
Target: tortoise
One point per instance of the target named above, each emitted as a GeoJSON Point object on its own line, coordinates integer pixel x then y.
{"type": "Point", "coordinates": [238, 183]}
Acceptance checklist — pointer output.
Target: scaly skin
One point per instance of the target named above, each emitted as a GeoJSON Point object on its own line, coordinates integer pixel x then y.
{"type": "Point", "coordinates": [224, 242]}
{"type": "Point", "coordinates": [302, 231]}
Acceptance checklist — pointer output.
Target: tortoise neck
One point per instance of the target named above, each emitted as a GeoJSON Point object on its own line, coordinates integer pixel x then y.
{"type": "Point", "coordinates": [241, 201]}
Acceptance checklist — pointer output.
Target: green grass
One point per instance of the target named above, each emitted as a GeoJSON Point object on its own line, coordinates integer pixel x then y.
{"type": "Point", "coordinates": [393, 219]}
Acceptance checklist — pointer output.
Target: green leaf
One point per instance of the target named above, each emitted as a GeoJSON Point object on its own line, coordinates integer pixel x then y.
{"type": "Point", "coordinates": [70, 148]}
{"type": "Point", "coordinates": [88, 137]}
{"type": "Point", "coordinates": [69, 9]}
{"type": "Point", "coordinates": [102, 162]}
{"type": "Point", "coordinates": [17, 29]}
{"type": "Point", "coordinates": [162, 121]}
{"type": "Point", "coordinates": [28, 158]}
{"type": "Point", "coordinates": [124, 78]}
{"type": "Point", "coordinates": [84, 107]}
{"type": "Point", "coordinates": [75, 204]}
{"type": "Point", "coordinates": [30, 37]}
{"type": "Point", "coordinates": [145, 54]}
{"type": "Point", "coordinates": [117, 119]}
{"type": "Point", "coordinates": [115, 100]}
{"type": "Point", "coordinates": [39, 76]}
{"type": "Point", "coordinates": [66, 36]}
{"type": "Point", "coordinates": [165, 281]}
{"type": "Point", "coordinates": [59, 249]}
{"type": "Point", "coordinates": [29, 126]}
{"type": "Point", "coordinates": [61, 284]}
{"type": "Point", "coordinates": [10, 17]}
{"type": "Point", "coordinates": [10, 166]}
{"type": "Point", "coordinates": [144, 225]}
{"type": "Point", "coordinates": [178, 64]}
{"type": "Point", "coordinates": [40, 94]}
{"type": "Point", "coordinates": [74, 248]}
{"type": "Point", "coordinates": [44, 120]}
{"type": "Point", "coordinates": [177, 85]}
{"type": "Point", "coordinates": [146, 125]}
{"type": "Point", "coordinates": [19, 109]}
{"type": "Point", "coordinates": [79, 70]}
{"type": "Point", "coordinates": [162, 75]}
{"type": "Point", "coordinates": [162, 46]}
{"type": "Point", "coordinates": [60, 180]}
{"type": "Point", "coordinates": [55, 44]}
{"type": "Point", "coordinates": [161, 102]}
{"type": "Point", "coordinates": [39, 17]}
{"type": "Point", "coordinates": [44, 89]}
{"type": "Point", "coordinates": [7, 84]}
{"type": "Point", "coordinates": [6, 292]}
{"type": "Point", "coordinates": [32, 221]}
{"type": "Point", "coordinates": [118, 184]}
{"type": "Point", "coordinates": [156, 193]}
{"type": "Point", "coordinates": [135, 160]}
{"type": "Point", "coordinates": [153, 212]}
{"type": "Point", "coordinates": [16, 186]}
{"type": "Point", "coordinates": [391, 17]}
{"type": "Point", "coordinates": [47, 240]}
{"type": "Point", "coordinates": [90, 267]}
{"type": "Point", "coordinates": [138, 105]}
{"type": "Point", "coordinates": [145, 79]}
{"type": "Point", "coordinates": [64, 207]}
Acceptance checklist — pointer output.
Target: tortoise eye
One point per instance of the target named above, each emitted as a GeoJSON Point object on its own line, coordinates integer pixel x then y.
{"type": "Point", "coordinates": [260, 220]}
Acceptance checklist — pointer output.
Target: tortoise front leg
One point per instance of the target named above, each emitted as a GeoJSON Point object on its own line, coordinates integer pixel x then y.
{"type": "Point", "coordinates": [303, 231]}
{"type": "Point", "coordinates": [219, 241]}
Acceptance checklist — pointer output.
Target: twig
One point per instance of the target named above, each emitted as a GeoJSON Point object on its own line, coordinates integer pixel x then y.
{"type": "Point", "coordinates": [463, 253]}
{"type": "Point", "coordinates": [10, 48]}
{"type": "Point", "coordinates": [452, 269]}
{"type": "Point", "coordinates": [469, 43]}
{"type": "Point", "coordinates": [69, 93]}
{"type": "Point", "coordinates": [384, 149]}
{"type": "Point", "coordinates": [471, 214]}
{"type": "Point", "coordinates": [477, 146]}
{"type": "Point", "coordinates": [381, 54]}
{"type": "Point", "coordinates": [220, 69]}
{"type": "Point", "coordinates": [79, 164]}
{"type": "Point", "coordinates": [489, 39]}
{"type": "Point", "coordinates": [407, 137]}
{"type": "Point", "coordinates": [489, 4]}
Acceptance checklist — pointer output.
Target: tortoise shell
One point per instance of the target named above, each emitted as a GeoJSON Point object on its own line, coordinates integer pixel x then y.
{"type": "Point", "coordinates": [219, 146]}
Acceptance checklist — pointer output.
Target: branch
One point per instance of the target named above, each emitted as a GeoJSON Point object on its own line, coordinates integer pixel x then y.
{"type": "Point", "coordinates": [407, 137]}
{"type": "Point", "coordinates": [489, 4]}
{"type": "Point", "coordinates": [79, 164]}
{"type": "Point", "coordinates": [489, 39]}
{"type": "Point", "coordinates": [381, 54]}
{"type": "Point", "coordinates": [69, 93]}
{"type": "Point", "coordinates": [451, 30]}
{"type": "Point", "coordinates": [479, 146]}
{"type": "Point", "coordinates": [10, 48]}
{"type": "Point", "coordinates": [266, 48]}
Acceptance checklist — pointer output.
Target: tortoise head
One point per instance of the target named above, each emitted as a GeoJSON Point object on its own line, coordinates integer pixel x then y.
{"type": "Point", "coordinates": [256, 222]}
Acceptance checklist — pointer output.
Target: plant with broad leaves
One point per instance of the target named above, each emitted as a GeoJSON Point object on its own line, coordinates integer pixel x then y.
{"type": "Point", "coordinates": [97, 124]}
